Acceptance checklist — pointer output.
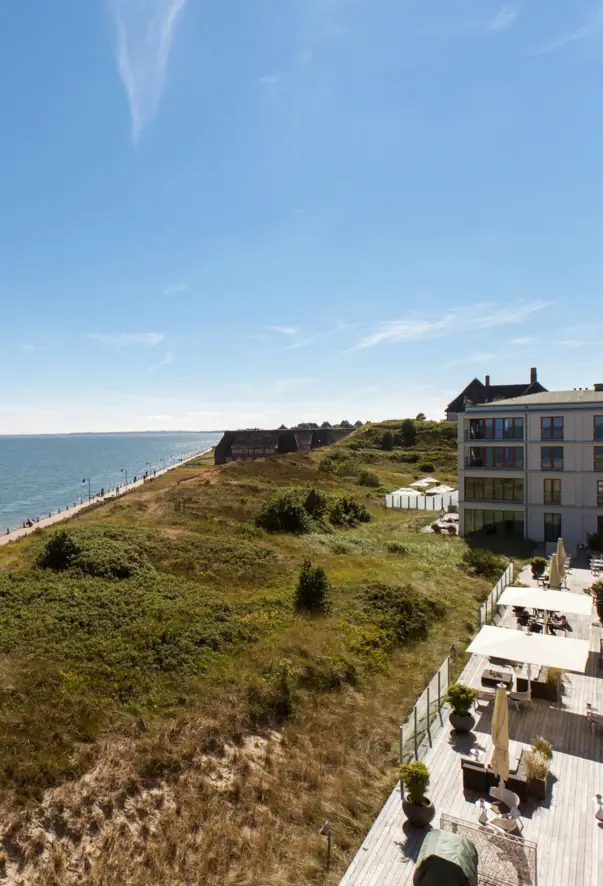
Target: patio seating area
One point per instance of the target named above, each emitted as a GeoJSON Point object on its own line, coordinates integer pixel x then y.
{"type": "Point", "coordinates": [556, 818]}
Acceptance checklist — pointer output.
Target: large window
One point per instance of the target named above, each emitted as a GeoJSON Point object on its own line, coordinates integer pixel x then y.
{"type": "Point", "coordinates": [496, 429]}
{"type": "Point", "coordinates": [501, 523]}
{"type": "Point", "coordinates": [552, 492]}
{"type": "Point", "coordinates": [600, 493]}
{"type": "Point", "coordinates": [493, 489]}
{"type": "Point", "coordinates": [495, 457]}
{"type": "Point", "coordinates": [551, 428]}
{"type": "Point", "coordinates": [598, 427]}
{"type": "Point", "coordinates": [598, 458]}
{"type": "Point", "coordinates": [552, 527]}
{"type": "Point", "coordinates": [551, 458]}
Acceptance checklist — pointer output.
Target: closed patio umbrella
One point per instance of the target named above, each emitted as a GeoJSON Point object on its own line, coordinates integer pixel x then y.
{"type": "Point", "coordinates": [500, 735]}
{"type": "Point", "coordinates": [554, 576]}
{"type": "Point", "coordinates": [561, 555]}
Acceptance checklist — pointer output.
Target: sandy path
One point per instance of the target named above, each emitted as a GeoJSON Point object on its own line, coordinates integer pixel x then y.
{"type": "Point", "coordinates": [67, 513]}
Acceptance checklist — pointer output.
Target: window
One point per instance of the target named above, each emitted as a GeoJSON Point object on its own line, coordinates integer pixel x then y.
{"type": "Point", "coordinates": [599, 524]}
{"type": "Point", "coordinates": [600, 493]}
{"type": "Point", "coordinates": [493, 489]}
{"type": "Point", "coordinates": [598, 427]}
{"type": "Point", "coordinates": [598, 458]}
{"type": "Point", "coordinates": [552, 527]}
{"type": "Point", "coordinates": [495, 457]}
{"type": "Point", "coordinates": [551, 458]}
{"type": "Point", "coordinates": [551, 428]}
{"type": "Point", "coordinates": [552, 492]}
{"type": "Point", "coordinates": [500, 523]}
{"type": "Point", "coordinates": [496, 429]}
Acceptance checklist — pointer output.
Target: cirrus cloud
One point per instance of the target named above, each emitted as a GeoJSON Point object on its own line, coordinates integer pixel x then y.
{"type": "Point", "coordinates": [128, 339]}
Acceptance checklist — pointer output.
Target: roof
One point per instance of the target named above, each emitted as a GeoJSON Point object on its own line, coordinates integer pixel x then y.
{"type": "Point", "coordinates": [477, 393]}
{"type": "Point", "coordinates": [547, 398]}
{"type": "Point", "coordinates": [536, 649]}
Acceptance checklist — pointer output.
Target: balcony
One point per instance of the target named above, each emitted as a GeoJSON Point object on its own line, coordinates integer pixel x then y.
{"type": "Point", "coordinates": [501, 429]}
{"type": "Point", "coordinates": [495, 458]}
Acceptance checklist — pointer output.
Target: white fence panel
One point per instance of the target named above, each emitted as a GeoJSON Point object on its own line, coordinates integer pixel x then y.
{"type": "Point", "coordinates": [422, 502]}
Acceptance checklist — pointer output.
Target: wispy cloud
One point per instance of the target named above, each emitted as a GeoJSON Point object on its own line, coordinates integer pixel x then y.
{"type": "Point", "coordinates": [283, 330]}
{"type": "Point", "coordinates": [474, 317]}
{"type": "Point", "coordinates": [169, 358]}
{"type": "Point", "coordinates": [528, 340]}
{"type": "Point", "coordinates": [144, 35]}
{"type": "Point", "coordinates": [591, 27]}
{"type": "Point", "coordinates": [176, 289]}
{"type": "Point", "coordinates": [571, 343]}
{"type": "Point", "coordinates": [128, 339]}
{"type": "Point", "coordinates": [318, 337]}
{"type": "Point", "coordinates": [269, 80]}
{"type": "Point", "coordinates": [504, 19]}
{"type": "Point", "coordinates": [472, 358]}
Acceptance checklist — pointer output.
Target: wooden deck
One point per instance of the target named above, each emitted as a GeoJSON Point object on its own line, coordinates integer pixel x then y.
{"type": "Point", "coordinates": [569, 839]}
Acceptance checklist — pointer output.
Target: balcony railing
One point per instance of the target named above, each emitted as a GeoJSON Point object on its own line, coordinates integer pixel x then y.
{"type": "Point", "coordinates": [495, 435]}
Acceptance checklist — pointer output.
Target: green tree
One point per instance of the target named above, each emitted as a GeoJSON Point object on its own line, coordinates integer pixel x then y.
{"type": "Point", "coordinates": [344, 424]}
{"type": "Point", "coordinates": [284, 514]}
{"type": "Point", "coordinates": [421, 417]}
{"type": "Point", "coordinates": [60, 552]}
{"type": "Point", "coordinates": [313, 590]}
{"type": "Point", "coordinates": [409, 432]}
{"type": "Point", "coordinates": [358, 424]}
{"type": "Point", "coordinates": [326, 424]}
{"type": "Point", "coordinates": [316, 503]}
{"type": "Point", "coordinates": [387, 441]}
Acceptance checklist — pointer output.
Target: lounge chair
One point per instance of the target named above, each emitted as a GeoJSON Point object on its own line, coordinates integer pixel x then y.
{"type": "Point", "coordinates": [520, 698]}
{"type": "Point", "coordinates": [507, 824]}
{"type": "Point", "coordinates": [504, 795]}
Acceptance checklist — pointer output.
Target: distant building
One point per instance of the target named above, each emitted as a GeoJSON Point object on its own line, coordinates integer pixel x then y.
{"type": "Point", "coordinates": [477, 393]}
{"type": "Point", "coordinates": [532, 467]}
{"type": "Point", "coordinates": [251, 444]}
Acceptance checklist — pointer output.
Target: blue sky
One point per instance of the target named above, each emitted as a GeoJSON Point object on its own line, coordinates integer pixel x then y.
{"type": "Point", "coordinates": [223, 214]}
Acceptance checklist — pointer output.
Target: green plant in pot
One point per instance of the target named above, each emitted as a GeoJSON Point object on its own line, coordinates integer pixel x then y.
{"type": "Point", "coordinates": [461, 698]}
{"type": "Point", "coordinates": [538, 567]}
{"type": "Point", "coordinates": [418, 809]}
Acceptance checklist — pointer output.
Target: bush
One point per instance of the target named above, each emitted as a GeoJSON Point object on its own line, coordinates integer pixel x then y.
{"type": "Point", "coordinates": [402, 613]}
{"type": "Point", "coordinates": [460, 698]}
{"type": "Point", "coordinates": [284, 514]}
{"type": "Point", "coordinates": [415, 777]}
{"type": "Point", "coordinates": [369, 478]}
{"type": "Point", "coordinates": [538, 566]}
{"type": "Point", "coordinates": [427, 467]}
{"type": "Point", "coordinates": [484, 563]}
{"type": "Point", "coordinates": [537, 765]}
{"type": "Point", "coordinates": [60, 553]}
{"type": "Point", "coordinates": [409, 432]}
{"type": "Point", "coordinates": [387, 441]}
{"type": "Point", "coordinates": [313, 590]}
{"type": "Point", "coordinates": [394, 547]}
{"type": "Point", "coordinates": [543, 746]}
{"type": "Point", "coordinates": [595, 541]}
{"type": "Point", "coordinates": [348, 512]}
{"type": "Point", "coordinates": [316, 503]}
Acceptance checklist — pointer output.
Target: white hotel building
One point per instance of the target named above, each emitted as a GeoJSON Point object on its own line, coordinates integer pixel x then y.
{"type": "Point", "coordinates": [533, 467]}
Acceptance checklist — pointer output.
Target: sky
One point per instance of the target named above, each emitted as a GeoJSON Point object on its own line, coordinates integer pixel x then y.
{"type": "Point", "coordinates": [220, 215]}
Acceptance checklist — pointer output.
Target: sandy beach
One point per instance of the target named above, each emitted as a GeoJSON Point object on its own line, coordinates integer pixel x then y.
{"type": "Point", "coordinates": [68, 513]}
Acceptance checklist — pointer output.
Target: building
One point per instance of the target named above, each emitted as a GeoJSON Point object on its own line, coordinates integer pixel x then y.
{"type": "Point", "coordinates": [250, 444]}
{"type": "Point", "coordinates": [477, 393]}
{"type": "Point", "coordinates": [533, 467]}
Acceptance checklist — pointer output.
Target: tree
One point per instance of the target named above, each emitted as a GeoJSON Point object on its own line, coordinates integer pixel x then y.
{"type": "Point", "coordinates": [316, 503]}
{"type": "Point", "coordinates": [358, 424]}
{"type": "Point", "coordinates": [283, 428]}
{"type": "Point", "coordinates": [326, 424]}
{"type": "Point", "coordinates": [284, 514]}
{"type": "Point", "coordinates": [409, 432]}
{"type": "Point", "coordinates": [387, 441]}
{"type": "Point", "coordinates": [344, 424]}
{"type": "Point", "coordinates": [313, 590]}
{"type": "Point", "coordinates": [60, 552]}
{"type": "Point", "coordinates": [421, 417]}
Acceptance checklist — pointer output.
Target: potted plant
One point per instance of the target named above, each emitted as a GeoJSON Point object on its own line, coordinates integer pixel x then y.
{"type": "Point", "coordinates": [537, 771]}
{"type": "Point", "coordinates": [538, 567]}
{"type": "Point", "coordinates": [418, 809]}
{"type": "Point", "coordinates": [460, 698]}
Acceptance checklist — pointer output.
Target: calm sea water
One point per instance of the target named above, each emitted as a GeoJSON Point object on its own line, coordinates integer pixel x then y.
{"type": "Point", "coordinates": [40, 474]}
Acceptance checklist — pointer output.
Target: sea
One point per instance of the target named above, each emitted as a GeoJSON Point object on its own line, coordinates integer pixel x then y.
{"type": "Point", "coordinates": [39, 474]}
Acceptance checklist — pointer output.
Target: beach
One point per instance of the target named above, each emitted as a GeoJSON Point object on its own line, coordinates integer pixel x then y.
{"type": "Point", "coordinates": [68, 512]}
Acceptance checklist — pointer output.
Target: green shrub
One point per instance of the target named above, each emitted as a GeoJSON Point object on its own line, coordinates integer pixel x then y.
{"type": "Point", "coordinates": [316, 503]}
{"type": "Point", "coordinates": [284, 514]}
{"type": "Point", "coordinates": [409, 432]}
{"type": "Point", "coordinates": [394, 547]}
{"type": "Point", "coordinates": [479, 561]}
{"type": "Point", "coordinates": [415, 777]}
{"type": "Point", "coordinates": [60, 552]}
{"type": "Point", "coordinates": [403, 614]}
{"type": "Point", "coordinates": [387, 441]}
{"type": "Point", "coordinates": [460, 698]}
{"type": "Point", "coordinates": [427, 467]}
{"type": "Point", "coordinates": [538, 566]}
{"type": "Point", "coordinates": [348, 512]}
{"type": "Point", "coordinates": [313, 591]}
{"type": "Point", "coordinates": [369, 478]}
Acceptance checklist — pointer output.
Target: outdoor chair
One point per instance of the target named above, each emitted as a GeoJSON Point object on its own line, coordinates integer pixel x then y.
{"type": "Point", "coordinates": [521, 698]}
{"type": "Point", "coordinates": [486, 695]}
{"type": "Point", "coordinates": [507, 823]}
{"type": "Point", "coordinates": [595, 720]}
{"type": "Point", "coordinates": [504, 795]}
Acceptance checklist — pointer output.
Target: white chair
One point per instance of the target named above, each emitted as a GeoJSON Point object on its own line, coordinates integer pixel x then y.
{"type": "Point", "coordinates": [508, 823]}
{"type": "Point", "coordinates": [521, 698]}
{"type": "Point", "coordinates": [486, 695]}
{"type": "Point", "coordinates": [506, 796]}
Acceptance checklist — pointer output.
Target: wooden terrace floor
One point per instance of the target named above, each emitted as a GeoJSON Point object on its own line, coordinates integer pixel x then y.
{"type": "Point", "coordinates": [569, 839]}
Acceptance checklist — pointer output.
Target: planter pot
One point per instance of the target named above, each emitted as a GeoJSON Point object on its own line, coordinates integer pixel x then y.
{"type": "Point", "coordinates": [419, 816]}
{"type": "Point", "coordinates": [461, 724]}
{"type": "Point", "coordinates": [537, 788]}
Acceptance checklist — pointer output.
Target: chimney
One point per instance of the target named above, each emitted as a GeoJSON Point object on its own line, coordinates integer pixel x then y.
{"type": "Point", "coordinates": [487, 381]}
{"type": "Point", "coordinates": [533, 375]}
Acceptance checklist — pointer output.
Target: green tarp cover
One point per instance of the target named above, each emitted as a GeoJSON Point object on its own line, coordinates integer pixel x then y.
{"type": "Point", "coordinates": [446, 860]}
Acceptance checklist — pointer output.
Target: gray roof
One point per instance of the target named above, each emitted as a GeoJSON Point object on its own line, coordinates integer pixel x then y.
{"type": "Point", "coordinates": [549, 398]}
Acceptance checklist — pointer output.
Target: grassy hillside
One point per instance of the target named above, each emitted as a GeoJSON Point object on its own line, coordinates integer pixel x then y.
{"type": "Point", "coordinates": [167, 715]}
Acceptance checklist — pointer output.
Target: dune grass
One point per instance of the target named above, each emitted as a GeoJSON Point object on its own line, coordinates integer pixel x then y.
{"type": "Point", "coordinates": [166, 714]}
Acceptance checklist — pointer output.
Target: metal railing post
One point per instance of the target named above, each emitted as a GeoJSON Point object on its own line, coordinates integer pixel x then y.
{"type": "Point", "coordinates": [428, 715]}
{"type": "Point", "coordinates": [416, 738]}
{"type": "Point", "coordinates": [440, 696]}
